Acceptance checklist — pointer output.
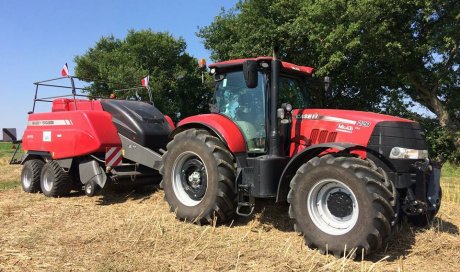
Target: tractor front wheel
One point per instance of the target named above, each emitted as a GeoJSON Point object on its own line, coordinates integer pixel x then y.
{"type": "Point", "coordinates": [199, 175]}
{"type": "Point", "coordinates": [54, 181]}
{"type": "Point", "coordinates": [341, 204]}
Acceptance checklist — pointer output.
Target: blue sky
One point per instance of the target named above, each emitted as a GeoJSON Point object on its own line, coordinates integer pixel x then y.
{"type": "Point", "coordinates": [38, 37]}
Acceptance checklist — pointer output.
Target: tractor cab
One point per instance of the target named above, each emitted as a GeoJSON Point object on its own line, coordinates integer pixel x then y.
{"type": "Point", "coordinates": [247, 104]}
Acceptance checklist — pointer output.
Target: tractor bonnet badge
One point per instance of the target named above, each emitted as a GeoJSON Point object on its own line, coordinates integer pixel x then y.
{"type": "Point", "coordinates": [309, 116]}
{"type": "Point", "coordinates": [344, 128]}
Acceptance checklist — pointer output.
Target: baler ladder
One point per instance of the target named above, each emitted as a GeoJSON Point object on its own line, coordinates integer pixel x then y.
{"type": "Point", "coordinates": [14, 159]}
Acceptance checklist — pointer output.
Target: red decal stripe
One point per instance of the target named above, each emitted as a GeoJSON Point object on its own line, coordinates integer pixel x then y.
{"type": "Point", "coordinates": [113, 156]}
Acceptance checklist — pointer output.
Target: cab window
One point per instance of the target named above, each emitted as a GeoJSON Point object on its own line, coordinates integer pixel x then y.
{"type": "Point", "coordinates": [245, 106]}
{"type": "Point", "coordinates": [291, 91]}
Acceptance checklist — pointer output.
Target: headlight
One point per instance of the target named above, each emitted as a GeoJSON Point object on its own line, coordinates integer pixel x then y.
{"type": "Point", "coordinates": [406, 153]}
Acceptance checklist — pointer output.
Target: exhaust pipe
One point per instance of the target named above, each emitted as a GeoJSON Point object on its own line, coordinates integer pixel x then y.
{"type": "Point", "coordinates": [274, 135]}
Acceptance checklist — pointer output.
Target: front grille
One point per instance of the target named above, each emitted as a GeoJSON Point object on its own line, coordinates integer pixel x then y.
{"type": "Point", "coordinates": [387, 135]}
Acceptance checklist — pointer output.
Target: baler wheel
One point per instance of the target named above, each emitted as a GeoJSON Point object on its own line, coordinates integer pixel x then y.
{"type": "Point", "coordinates": [30, 175]}
{"type": "Point", "coordinates": [342, 204]}
{"type": "Point", "coordinates": [54, 181]}
{"type": "Point", "coordinates": [199, 177]}
{"type": "Point", "coordinates": [91, 188]}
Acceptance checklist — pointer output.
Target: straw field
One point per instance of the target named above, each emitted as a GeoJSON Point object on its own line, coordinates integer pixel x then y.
{"type": "Point", "coordinates": [133, 230]}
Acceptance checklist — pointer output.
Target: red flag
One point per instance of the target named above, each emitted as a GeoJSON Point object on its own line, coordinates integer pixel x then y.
{"type": "Point", "coordinates": [65, 70]}
{"type": "Point", "coordinates": [145, 81]}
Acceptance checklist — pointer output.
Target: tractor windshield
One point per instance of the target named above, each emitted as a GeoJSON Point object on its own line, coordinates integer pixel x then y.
{"type": "Point", "coordinates": [245, 106]}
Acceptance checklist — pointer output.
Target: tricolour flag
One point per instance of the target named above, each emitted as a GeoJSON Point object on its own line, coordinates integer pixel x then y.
{"type": "Point", "coordinates": [65, 70]}
{"type": "Point", "coordinates": [145, 81]}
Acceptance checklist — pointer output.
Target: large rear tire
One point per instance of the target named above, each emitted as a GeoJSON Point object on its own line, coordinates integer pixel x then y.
{"type": "Point", "coordinates": [341, 204]}
{"type": "Point", "coordinates": [54, 181]}
{"type": "Point", "coordinates": [30, 175]}
{"type": "Point", "coordinates": [198, 177]}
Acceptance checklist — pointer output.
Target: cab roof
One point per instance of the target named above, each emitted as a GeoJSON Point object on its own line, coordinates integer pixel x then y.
{"type": "Point", "coordinates": [286, 66]}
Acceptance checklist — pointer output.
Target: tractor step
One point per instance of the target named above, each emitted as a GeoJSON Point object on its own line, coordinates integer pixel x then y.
{"type": "Point", "coordinates": [246, 203]}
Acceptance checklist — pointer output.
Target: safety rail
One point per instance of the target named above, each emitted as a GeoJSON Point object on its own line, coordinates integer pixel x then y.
{"type": "Point", "coordinates": [73, 88]}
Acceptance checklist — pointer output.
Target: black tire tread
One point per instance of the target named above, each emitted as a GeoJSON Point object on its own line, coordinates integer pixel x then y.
{"type": "Point", "coordinates": [36, 165]}
{"type": "Point", "coordinates": [378, 186]}
{"type": "Point", "coordinates": [62, 184]}
{"type": "Point", "coordinates": [225, 206]}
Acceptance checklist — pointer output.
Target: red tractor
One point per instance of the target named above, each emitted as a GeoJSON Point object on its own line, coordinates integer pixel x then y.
{"type": "Point", "coordinates": [347, 175]}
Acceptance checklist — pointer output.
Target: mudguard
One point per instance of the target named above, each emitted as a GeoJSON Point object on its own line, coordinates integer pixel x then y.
{"type": "Point", "coordinates": [91, 171]}
{"type": "Point", "coordinates": [222, 126]}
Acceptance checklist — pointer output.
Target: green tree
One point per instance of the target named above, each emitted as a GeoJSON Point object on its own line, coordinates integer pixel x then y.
{"type": "Point", "coordinates": [375, 50]}
{"type": "Point", "coordinates": [121, 63]}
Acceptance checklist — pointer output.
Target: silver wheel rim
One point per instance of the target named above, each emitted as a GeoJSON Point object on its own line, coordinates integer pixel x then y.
{"type": "Point", "coordinates": [320, 211]}
{"type": "Point", "coordinates": [177, 183]}
{"type": "Point", "coordinates": [27, 178]}
{"type": "Point", "coordinates": [47, 182]}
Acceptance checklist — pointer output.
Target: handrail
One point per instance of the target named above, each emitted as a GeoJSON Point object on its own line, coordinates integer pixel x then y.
{"type": "Point", "coordinates": [45, 83]}
{"type": "Point", "coordinates": [61, 86]}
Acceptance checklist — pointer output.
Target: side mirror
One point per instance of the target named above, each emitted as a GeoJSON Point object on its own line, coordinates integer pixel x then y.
{"type": "Point", "coordinates": [250, 73]}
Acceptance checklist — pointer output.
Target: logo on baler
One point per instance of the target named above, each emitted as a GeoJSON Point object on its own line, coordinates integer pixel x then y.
{"type": "Point", "coordinates": [35, 123]}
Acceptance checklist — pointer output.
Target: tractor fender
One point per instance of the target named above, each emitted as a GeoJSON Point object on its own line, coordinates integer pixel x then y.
{"type": "Point", "coordinates": [302, 157]}
{"type": "Point", "coordinates": [170, 121]}
{"type": "Point", "coordinates": [224, 128]}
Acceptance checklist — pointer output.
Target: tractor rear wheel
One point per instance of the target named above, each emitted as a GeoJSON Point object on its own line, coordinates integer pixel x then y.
{"type": "Point", "coordinates": [341, 204]}
{"type": "Point", "coordinates": [198, 177]}
{"type": "Point", "coordinates": [30, 175]}
{"type": "Point", "coordinates": [54, 181]}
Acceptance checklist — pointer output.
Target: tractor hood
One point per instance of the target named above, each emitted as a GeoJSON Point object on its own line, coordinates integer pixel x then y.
{"type": "Point", "coordinates": [316, 126]}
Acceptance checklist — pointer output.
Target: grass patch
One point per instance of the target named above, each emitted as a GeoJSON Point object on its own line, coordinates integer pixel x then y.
{"type": "Point", "coordinates": [450, 189]}
{"type": "Point", "coordinates": [10, 175]}
{"type": "Point", "coordinates": [450, 182]}
{"type": "Point", "coordinates": [5, 145]}
{"type": "Point", "coordinates": [450, 170]}
{"type": "Point", "coordinates": [7, 149]}
{"type": "Point", "coordinates": [9, 184]}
